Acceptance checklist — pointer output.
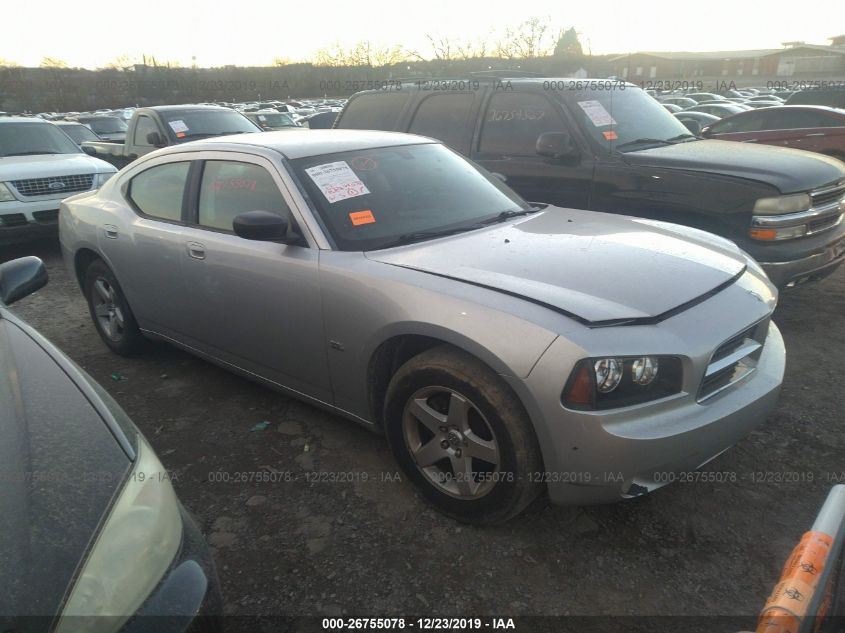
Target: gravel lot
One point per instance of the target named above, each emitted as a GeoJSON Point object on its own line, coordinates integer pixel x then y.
{"type": "Point", "coordinates": [372, 547]}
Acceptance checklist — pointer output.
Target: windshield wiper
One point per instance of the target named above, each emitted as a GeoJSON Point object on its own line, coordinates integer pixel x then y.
{"type": "Point", "coordinates": [683, 137]}
{"type": "Point", "coordinates": [418, 236]}
{"type": "Point", "coordinates": [506, 215]}
{"type": "Point", "coordinates": [642, 141]}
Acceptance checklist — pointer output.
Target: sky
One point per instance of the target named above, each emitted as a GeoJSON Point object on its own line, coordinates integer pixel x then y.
{"type": "Point", "coordinates": [216, 33]}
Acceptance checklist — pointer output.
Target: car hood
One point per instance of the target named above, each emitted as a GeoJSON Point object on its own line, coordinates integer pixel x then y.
{"type": "Point", "coordinates": [599, 268]}
{"type": "Point", "coordinates": [59, 467]}
{"type": "Point", "coordinates": [49, 165]}
{"type": "Point", "coordinates": [789, 170]}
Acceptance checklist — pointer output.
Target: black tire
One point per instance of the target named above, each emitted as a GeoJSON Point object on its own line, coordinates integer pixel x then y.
{"type": "Point", "coordinates": [126, 338]}
{"type": "Point", "coordinates": [436, 379]}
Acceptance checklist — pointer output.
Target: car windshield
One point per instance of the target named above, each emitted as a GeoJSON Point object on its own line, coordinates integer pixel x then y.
{"type": "Point", "coordinates": [626, 119]}
{"type": "Point", "coordinates": [106, 125]}
{"type": "Point", "coordinates": [185, 125]}
{"type": "Point", "coordinates": [279, 119]}
{"type": "Point", "coordinates": [79, 133]}
{"type": "Point", "coordinates": [375, 198]}
{"type": "Point", "coordinates": [24, 138]}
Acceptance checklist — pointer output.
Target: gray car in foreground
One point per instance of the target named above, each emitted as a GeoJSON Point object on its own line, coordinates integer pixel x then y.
{"type": "Point", "coordinates": [506, 350]}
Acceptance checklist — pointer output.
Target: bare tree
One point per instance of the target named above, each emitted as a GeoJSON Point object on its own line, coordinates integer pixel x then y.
{"type": "Point", "coordinates": [530, 39]}
{"type": "Point", "coordinates": [52, 62]}
{"type": "Point", "coordinates": [364, 53]}
{"type": "Point", "coordinates": [472, 49]}
{"type": "Point", "coordinates": [121, 62]}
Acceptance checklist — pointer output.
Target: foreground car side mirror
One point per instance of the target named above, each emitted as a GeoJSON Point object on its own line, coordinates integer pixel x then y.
{"type": "Point", "coordinates": [155, 139]}
{"type": "Point", "coordinates": [262, 226]}
{"type": "Point", "coordinates": [21, 277]}
{"type": "Point", "coordinates": [556, 145]}
{"type": "Point", "coordinates": [89, 150]}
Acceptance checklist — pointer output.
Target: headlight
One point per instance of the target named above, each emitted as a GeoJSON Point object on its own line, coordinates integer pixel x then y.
{"type": "Point", "coordinates": [133, 551]}
{"type": "Point", "coordinates": [782, 204]}
{"type": "Point", "coordinates": [101, 179]}
{"type": "Point", "coordinates": [612, 382]}
{"type": "Point", "coordinates": [5, 194]}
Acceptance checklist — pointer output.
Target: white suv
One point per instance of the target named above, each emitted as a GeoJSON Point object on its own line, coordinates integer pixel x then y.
{"type": "Point", "coordinates": [40, 166]}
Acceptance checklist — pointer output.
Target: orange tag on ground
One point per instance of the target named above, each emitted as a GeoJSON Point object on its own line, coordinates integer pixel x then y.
{"type": "Point", "coordinates": [610, 135]}
{"type": "Point", "coordinates": [362, 217]}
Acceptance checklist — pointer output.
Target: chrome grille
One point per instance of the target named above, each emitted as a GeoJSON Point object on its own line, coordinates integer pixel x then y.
{"type": "Point", "coordinates": [827, 195]}
{"type": "Point", "coordinates": [733, 360]}
{"type": "Point", "coordinates": [54, 185]}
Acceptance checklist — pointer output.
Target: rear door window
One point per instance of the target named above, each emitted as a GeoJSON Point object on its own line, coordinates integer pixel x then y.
{"type": "Point", "coordinates": [158, 191]}
{"type": "Point", "coordinates": [514, 121]}
{"type": "Point", "coordinates": [446, 118]}
{"type": "Point", "coordinates": [374, 111]}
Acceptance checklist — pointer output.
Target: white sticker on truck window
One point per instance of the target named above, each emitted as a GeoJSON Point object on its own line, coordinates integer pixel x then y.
{"type": "Point", "coordinates": [337, 181]}
{"type": "Point", "coordinates": [178, 126]}
{"type": "Point", "coordinates": [596, 113]}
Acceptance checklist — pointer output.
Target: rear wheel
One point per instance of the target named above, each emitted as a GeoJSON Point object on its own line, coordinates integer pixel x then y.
{"type": "Point", "coordinates": [462, 436]}
{"type": "Point", "coordinates": [110, 311]}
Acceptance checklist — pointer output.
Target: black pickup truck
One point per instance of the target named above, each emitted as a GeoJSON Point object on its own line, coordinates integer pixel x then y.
{"type": "Point", "coordinates": [606, 145]}
{"type": "Point", "coordinates": [160, 126]}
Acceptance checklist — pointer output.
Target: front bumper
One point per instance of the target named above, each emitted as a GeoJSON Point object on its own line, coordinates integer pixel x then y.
{"type": "Point", "coordinates": [618, 460]}
{"type": "Point", "coordinates": [604, 456]}
{"type": "Point", "coordinates": [810, 268]}
{"type": "Point", "coordinates": [803, 259]}
{"type": "Point", "coordinates": [31, 219]}
{"type": "Point", "coordinates": [188, 597]}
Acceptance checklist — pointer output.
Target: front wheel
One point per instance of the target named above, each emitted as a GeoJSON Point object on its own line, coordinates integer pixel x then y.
{"type": "Point", "coordinates": [110, 311]}
{"type": "Point", "coordinates": [462, 436]}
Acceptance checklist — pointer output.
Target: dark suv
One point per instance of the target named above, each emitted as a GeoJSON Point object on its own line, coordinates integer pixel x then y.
{"type": "Point", "coordinates": [608, 146]}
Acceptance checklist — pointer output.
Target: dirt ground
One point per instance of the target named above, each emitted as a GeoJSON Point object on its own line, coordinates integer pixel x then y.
{"type": "Point", "coordinates": [356, 547]}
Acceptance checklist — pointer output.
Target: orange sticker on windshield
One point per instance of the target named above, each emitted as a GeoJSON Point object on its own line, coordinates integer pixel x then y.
{"type": "Point", "coordinates": [362, 217]}
{"type": "Point", "coordinates": [180, 135]}
{"type": "Point", "coordinates": [610, 135]}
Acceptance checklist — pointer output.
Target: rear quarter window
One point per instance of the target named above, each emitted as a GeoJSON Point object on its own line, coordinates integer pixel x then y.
{"type": "Point", "coordinates": [373, 111]}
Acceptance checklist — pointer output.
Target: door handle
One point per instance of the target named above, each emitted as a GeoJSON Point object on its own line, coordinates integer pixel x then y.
{"type": "Point", "coordinates": [816, 134]}
{"type": "Point", "coordinates": [111, 231]}
{"type": "Point", "coordinates": [196, 250]}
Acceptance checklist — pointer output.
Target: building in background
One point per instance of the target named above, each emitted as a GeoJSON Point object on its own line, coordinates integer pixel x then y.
{"type": "Point", "coordinates": [796, 61]}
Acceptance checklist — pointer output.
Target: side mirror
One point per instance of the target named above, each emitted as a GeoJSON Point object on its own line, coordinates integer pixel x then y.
{"type": "Point", "coordinates": [556, 145]}
{"type": "Point", "coordinates": [21, 277]}
{"type": "Point", "coordinates": [262, 226]}
{"type": "Point", "coordinates": [693, 126]}
{"type": "Point", "coordinates": [89, 150]}
{"type": "Point", "coordinates": [155, 139]}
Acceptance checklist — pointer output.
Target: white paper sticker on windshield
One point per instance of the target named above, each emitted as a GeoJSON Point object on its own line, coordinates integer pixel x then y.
{"type": "Point", "coordinates": [337, 181]}
{"type": "Point", "coordinates": [261, 117]}
{"type": "Point", "coordinates": [596, 112]}
{"type": "Point", "coordinates": [178, 126]}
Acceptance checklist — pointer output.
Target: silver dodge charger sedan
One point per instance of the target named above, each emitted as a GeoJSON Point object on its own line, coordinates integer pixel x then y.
{"type": "Point", "coordinates": [506, 349]}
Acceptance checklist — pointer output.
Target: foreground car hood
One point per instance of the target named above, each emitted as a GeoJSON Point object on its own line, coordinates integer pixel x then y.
{"type": "Point", "coordinates": [596, 267]}
{"type": "Point", "coordinates": [48, 165]}
{"type": "Point", "coordinates": [59, 467]}
{"type": "Point", "coordinates": [790, 170]}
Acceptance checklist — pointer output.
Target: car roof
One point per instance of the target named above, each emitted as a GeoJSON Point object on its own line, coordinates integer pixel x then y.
{"type": "Point", "coordinates": [315, 143]}
{"type": "Point", "coordinates": [22, 119]}
{"type": "Point", "coordinates": [188, 106]}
